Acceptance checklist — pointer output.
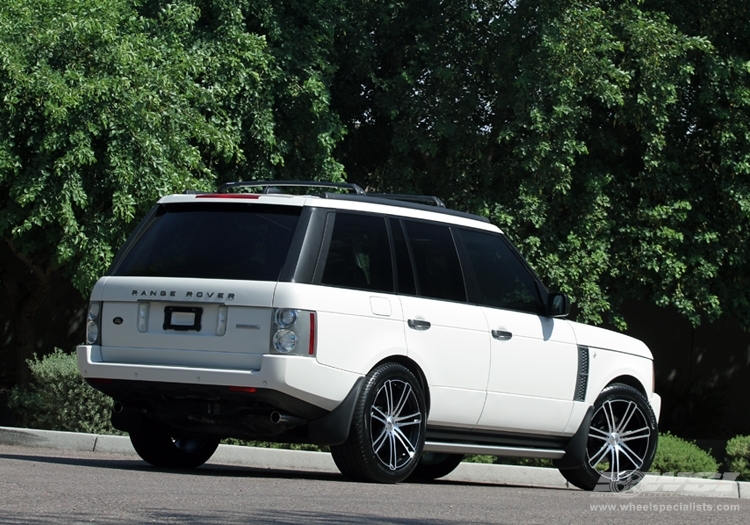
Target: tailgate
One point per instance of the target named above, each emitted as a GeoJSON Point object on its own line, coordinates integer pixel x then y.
{"type": "Point", "coordinates": [203, 323]}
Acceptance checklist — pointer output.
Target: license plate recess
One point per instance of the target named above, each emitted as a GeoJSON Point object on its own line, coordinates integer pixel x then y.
{"type": "Point", "coordinates": [182, 318]}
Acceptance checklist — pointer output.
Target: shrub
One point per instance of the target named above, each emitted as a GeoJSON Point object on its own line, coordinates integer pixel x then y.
{"type": "Point", "coordinates": [479, 458]}
{"type": "Point", "coordinates": [525, 462]}
{"type": "Point", "coordinates": [271, 444]}
{"type": "Point", "coordinates": [738, 456]}
{"type": "Point", "coordinates": [59, 399]}
{"type": "Point", "coordinates": [676, 455]}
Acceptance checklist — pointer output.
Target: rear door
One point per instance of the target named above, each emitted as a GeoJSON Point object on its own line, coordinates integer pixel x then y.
{"type": "Point", "coordinates": [445, 334]}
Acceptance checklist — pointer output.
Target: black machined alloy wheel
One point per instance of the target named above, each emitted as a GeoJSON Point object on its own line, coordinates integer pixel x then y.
{"type": "Point", "coordinates": [434, 465]}
{"type": "Point", "coordinates": [395, 424]}
{"type": "Point", "coordinates": [163, 448]}
{"type": "Point", "coordinates": [387, 434]}
{"type": "Point", "coordinates": [621, 442]}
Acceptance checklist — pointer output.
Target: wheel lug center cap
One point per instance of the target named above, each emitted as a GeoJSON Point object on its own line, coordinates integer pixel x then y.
{"type": "Point", "coordinates": [613, 439]}
{"type": "Point", "coordinates": [389, 424]}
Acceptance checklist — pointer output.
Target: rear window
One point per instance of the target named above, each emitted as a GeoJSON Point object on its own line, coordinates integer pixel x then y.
{"type": "Point", "coordinates": [209, 241]}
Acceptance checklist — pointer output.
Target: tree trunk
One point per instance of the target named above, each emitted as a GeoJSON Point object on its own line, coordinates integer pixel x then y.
{"type": "Point", "coordinates": [26, 290]}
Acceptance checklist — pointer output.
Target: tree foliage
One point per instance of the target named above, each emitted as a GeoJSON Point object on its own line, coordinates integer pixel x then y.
{"type": "Point", "coordinates": [608, 138]}
{"type": "Point", "coordinates": [109, 104]}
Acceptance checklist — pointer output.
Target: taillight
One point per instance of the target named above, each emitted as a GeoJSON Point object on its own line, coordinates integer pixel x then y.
{"type": "Point", "coordinates": [311, 342]}
{"type": "Point", "coordinates": [294, 332]}
{"type": "Point", "coordinates": [93, 323]}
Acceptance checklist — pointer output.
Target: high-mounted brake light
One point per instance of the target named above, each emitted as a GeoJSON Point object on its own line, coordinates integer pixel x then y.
{"type": "Point", "coordinates": [227, 196]}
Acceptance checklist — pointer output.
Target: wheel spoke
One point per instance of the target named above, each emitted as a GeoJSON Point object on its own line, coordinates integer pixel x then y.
{"type": "Point", "coordinates": [615, 463]}
{"type": "Point", "coordinates": [610, 415]}
{"type": "Point", "coordinates": [393, 457]}
{"type": "Point", "coordinates": [602, 434]}
{"type": "Point", "coordinates": [416, 417]}
{"type": "Point", "coordinates": [388, 397]}
{"type": "Point", "coordinates": [410, 449]}
{"type": "Point", "coordinates": [640, 433]}
{"type": "Point", "coordinates": [596, 458]}
{"type": "Point", "coordinates": [377, 444]}
{"type": "Point", "coordinates": [378, 415]}
{"type": "Point", "coordinates": [402, 401]}
{"type": "Point", "coordinates": [409, 423]}
{"type": "Point", "coordinates": [627, 451]}
{"type": "Point", "coordinates": [627, 416]}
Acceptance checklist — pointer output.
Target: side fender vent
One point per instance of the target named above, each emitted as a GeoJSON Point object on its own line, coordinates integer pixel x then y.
{"type": "Point", "coordinates": [583, 374]}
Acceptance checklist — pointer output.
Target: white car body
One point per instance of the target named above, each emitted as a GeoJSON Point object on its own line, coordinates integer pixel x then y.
{"type": "Point", "coordinates": [485, 370]}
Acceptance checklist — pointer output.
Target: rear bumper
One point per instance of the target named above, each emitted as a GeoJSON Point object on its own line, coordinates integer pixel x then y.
{"type": "Point", "coordinates": [296, 376]}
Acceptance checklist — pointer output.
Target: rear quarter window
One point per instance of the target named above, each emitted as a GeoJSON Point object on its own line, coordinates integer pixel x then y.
{"type": "Point", "coordinates": [210, 241]}
{"type": "Point", "coordinates": [359, 255]}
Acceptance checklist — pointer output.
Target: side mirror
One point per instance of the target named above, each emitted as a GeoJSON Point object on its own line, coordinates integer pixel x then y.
{"type": "Point", "coordinates": [558, 305]}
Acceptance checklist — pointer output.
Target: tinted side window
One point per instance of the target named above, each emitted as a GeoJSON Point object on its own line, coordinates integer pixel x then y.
{"type": "Point", "coordinates": [359, 255]}
{"type": "Point", "coordinates": [404, 271]}
{"type": "Point", "coordinates": [436, 261]}
{"type": "Point", "coordinates": [504, 281]}
{"type": "Point", "coordinates": [211, 241]}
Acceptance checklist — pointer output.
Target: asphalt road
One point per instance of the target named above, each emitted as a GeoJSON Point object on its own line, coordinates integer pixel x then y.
{"type": "Point", "coordinates": [44, 486]}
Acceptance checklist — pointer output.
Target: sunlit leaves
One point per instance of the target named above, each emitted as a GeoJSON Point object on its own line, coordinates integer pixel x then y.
{"type": "Point", "coordinates": [610, 139]}
{"type": "Point", "coordinates": [108, 104]}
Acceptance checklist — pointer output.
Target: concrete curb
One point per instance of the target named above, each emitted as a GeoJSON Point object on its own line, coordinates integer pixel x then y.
{"type": "Point", "coordinates": [264, 458]}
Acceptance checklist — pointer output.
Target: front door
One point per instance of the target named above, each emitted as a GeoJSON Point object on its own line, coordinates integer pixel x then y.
{"type": "Point", "coordinates": [533, 358]}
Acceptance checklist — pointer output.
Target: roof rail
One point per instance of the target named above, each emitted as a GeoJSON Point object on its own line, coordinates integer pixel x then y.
{"type": "Point", "coordinates": [269, 185]}
{"type": "Point", "coordinates": [387, 200]}
{"type": "Point", "coordinates": [423, 199]}
{"type": "Point", "coordinates": [356, 193]}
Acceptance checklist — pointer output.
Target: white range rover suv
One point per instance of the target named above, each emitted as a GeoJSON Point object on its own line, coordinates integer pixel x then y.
{"type": "Point", "coordinates": [401, 334]}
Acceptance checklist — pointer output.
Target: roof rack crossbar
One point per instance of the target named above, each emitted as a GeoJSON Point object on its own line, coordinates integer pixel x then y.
{"type": "Point", "coordinates": [267, 185]}
{"type": "Point", "coordinates": [423, 199]}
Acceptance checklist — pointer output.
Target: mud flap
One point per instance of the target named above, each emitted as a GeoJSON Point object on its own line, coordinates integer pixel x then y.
{"type": "Point", "coordinates": [575, 450]}
{"type": "Point", "coordinates": [333, 428]}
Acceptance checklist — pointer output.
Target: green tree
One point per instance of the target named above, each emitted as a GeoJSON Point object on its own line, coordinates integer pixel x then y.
{"type": "Point", "coordinates": [109, 104]}
{"type": "Point", "coordinates": [609, 139]}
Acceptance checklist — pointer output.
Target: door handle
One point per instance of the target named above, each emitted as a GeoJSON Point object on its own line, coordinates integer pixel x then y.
{"type": "Point", "coordinates": [418, 324]}
{"type": "Point", "coordinates": [502, 335]}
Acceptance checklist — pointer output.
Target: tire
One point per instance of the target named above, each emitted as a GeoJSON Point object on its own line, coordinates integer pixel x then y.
{"type": "Point", "coordinates": [621, 442]}
{"type": "Point", "coordinates": [388, 428]}
{"type": "Point", "coordinates": [170, 449]}
{"type": "Point", "coordinates": [434, 465]}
